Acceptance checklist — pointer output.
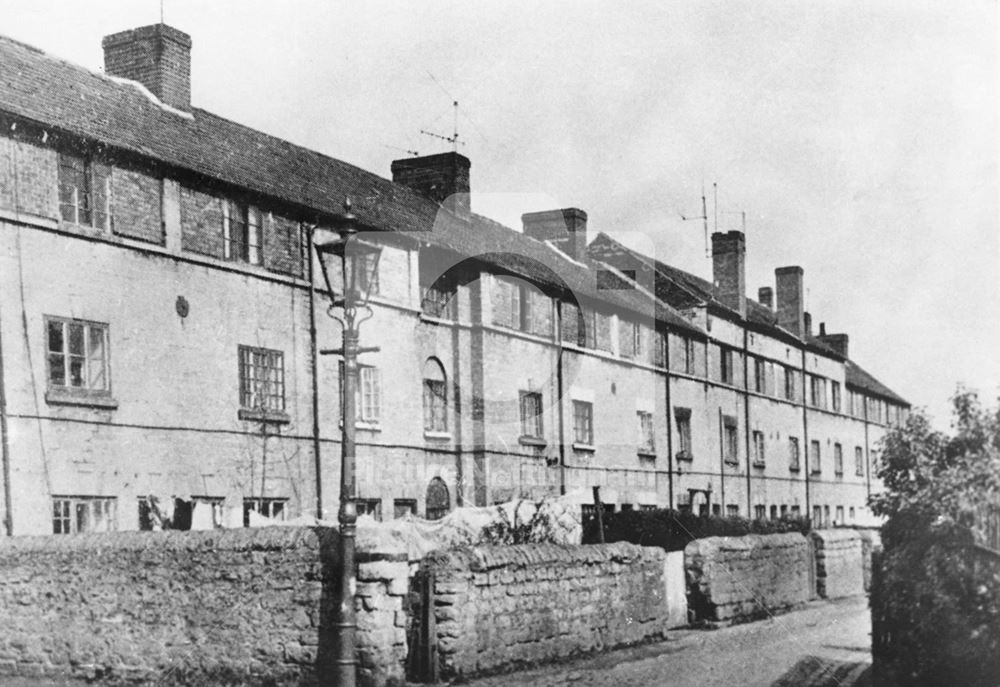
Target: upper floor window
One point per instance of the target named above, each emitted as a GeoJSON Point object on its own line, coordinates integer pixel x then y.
{"type": "Point", "coordinates": [77, 355]}
{"type": "Point", "coordinates": [646, 442]}
{"type": "Point", "coordinates": [659, 348]}
{"type": "Point", "coordinates": [440, 299]}
{"type": "Point", "coordinates": [241, 232]}
{"type": "Point", "coordinates": [520, 305]}
{"type": "Point", "coordinates": [726, 372]}
{"type": "Point", "coordinates": [793, 454]}
{"type": "Point", "coordinates": [817, 391]}
{"type": "Point", "coordinates": [80, 514]}
{"type": "Point", "coordinates": [838, 459]}
{"type": "Point", "coordinates": [790, 384]}
{"type": "Point", "coordinates": [859, 461]}
{"type": "Point", "coordinates": [435, 397]}
{"type": "Point", "coordinates": [262, 380]}
{"type": "Point", "coordinates": [814, 458]}
{"type": "Point", "coordinates": [531, 415]}
{"type": "Point", "coordinates": [84, 191]}
{"type": "Point", "coordinates": [683, 418]}
{"type": "Point", "coordinates": [835, 395]}
{"type": "Point", "coordinates": [758, 448]}
{"type": "Point", "coordinates": [367, 394]}
{"type": "Point", "coordinates": [730, 439]}
{"type": "Point", "coordinates": [583, 423]}
{"type": "Point", "coordinates": [689, 362]}
{"type": "Point", "coordinates": [759, 376]}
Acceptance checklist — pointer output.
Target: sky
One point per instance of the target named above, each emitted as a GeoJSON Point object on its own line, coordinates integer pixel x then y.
{"type": "Point", "coordinates": [859, 138]}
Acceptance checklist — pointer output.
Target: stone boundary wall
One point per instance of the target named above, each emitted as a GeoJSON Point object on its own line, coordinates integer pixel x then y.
{"type": "Point", "coordinates": [839, 563]}
{"type": "Point", "coordinates": [239, 606]}
{"type": "Point", "coordinates": [501, 607]}
{"type": "Point", "coordinates": [741, 578]}
{"type": "Point", "coordinates": [871, 541]}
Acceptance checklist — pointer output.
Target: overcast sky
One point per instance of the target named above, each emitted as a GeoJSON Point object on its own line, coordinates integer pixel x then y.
{"type": "Point", "coordinates": [860, 138]}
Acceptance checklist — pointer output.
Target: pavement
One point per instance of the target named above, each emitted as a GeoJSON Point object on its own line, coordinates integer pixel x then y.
{"type": "Point", "coordinates": [822, 644]}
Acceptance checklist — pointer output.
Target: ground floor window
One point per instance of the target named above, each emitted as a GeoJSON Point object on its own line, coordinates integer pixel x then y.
{"type": "Point", "coordinates": [273, 508]}
{"type": "Point", "coordinates": [403, 507]}
{"type": "Point", "coordinates": [81, 514]}
{"type": "Point", "coordinates": [369, 507]}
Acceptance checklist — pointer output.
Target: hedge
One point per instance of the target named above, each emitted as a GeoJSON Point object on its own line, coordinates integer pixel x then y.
{"type": "Point", "coordinates": [672, 530]}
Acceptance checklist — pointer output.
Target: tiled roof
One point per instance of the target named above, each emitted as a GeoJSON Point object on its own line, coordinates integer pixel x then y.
{"type": "Point", "coordinates": [860, 378]}
{"type": "Point", "coordinates": [122, 116]}
{"type": "Point", "coordinates": [678, 287]}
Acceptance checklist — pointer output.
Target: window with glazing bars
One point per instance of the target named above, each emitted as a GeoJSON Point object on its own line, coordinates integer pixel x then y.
{"type": "Point", "coordinates": [84, 191]}
{"type": "Point", "coordinates": [838, 459]}
{"type": "Point", "coordinates": [79, 514]}
{"type": "Point", "coordinates": [730, 439]}
{"type": "Point", "coordinates": [683, 417]}
{"type": "Point", "coordinates": [368, 395]}
{"type": "Point", "coordinates": [859, 461]}
{"type": "Point", "coordinates": [758, 448]}
{"type": "Point", "coordinates": [583, 423]}
{"type": "Point", "coordinates": [262, 379]}
{"type": "Point", "coordinates": [646, 442]}
{"type": "Point", "coordinates": [814, 457]}
{"type": "Point", "coordinates": [77, 355]}
{"type": "Point", "coordinates": [440, 300]}
{"type": "Point", "coordinates": [273, 508]}
{"type": "Point", "coordinates": [435, 397]}
{"type": "Point", "coordinates": [531, 414]}
{"type": "Point", "coordinates": [793, 454]}
{"type": "Point", "coordinates": [241, 232]}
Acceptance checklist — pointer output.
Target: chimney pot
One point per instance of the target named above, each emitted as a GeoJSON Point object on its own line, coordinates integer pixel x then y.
{"type": "Point", "coordinates": [157, 56]}
{"type": "Point", "coordinates": [789, 292]}
{"type": "Point", "coordinates": [444, 178]}
{"type": "Point", "coordinates": [729, 270]}
{"type": "Point", "coordinates": [822, 328]}
{"type": "Point", "coordinates": [567, 228]}
{"type": "Point", "coordinates": [765, 295]}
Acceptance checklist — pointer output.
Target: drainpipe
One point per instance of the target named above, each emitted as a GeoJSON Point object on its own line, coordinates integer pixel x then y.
{"type": "Point", "coordinates": [560, 352]}
{"type": "Point", "coordinates": [746, 413]}
{"type": "Point", "coordinates": [722, 465]}
{"type": "Point", "coordinates": [868, 462]}
{"type": "Point", "coordinates": [8, 510]}
{"type": "Point", "coordinates": [805, 434]}
{"type": "Point", "coordinates": [314, 355]}
{"type": "Point", "coordinates": [670, 421]}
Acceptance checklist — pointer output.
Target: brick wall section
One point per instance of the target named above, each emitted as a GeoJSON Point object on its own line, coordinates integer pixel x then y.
{"type": "Point", "coordinates": [740, 578]}
{"type": "Point", "coordinates": [281, 245]}
{"type": "Point", "coordinates": [34, 187]}
{"type": "Point", "coordinates": [136, 205]}
{"type": "Point", "coordinates": [201, 223]}
{"type": "Point", "coordinates": [839, 566]}
{"type": "Point", "coordinates": [239, 606]}
{"type": "Point", "coordinates": [499, 607]}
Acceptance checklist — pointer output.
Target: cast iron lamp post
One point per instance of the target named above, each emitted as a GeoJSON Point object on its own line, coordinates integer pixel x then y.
{"type": "Point", "coordinates": [358, 263]}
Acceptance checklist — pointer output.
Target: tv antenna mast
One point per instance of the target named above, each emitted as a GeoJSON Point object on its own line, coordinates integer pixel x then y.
{"type": "Point", "coordinates": [453, 139]}
{"type": "Point", "coordinates": [704, 214]}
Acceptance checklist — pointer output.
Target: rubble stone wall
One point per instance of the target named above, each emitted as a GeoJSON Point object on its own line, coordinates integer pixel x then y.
{"type": "Point", "coordinates": [839, 563]}
{"type": "Point", "coordinates": [500, 607]}
{"type": "Point", "coordinates": [240, 606]}
{"type": "Point", "coordinates": [739, 578]}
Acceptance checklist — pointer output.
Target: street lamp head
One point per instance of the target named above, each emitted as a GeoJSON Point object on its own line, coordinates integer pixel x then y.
{"type": "Point", "coordinates": [348, 262]}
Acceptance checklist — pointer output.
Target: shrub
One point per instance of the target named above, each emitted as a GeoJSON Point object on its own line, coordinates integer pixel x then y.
{"type": "Point", "coordinates": [672, 530]}
{"type": "Point", "coordinates": [535, 528]}
{"type": "Point", "coordinates": [936, 607]}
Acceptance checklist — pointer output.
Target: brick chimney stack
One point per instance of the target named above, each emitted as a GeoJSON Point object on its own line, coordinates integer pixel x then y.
{"type": "Point", "coordinates": [765, 296]}
{"type": "Point", "coordinates": [788, 281]}
{"type": "Point", "coordinates": [444, 178]}
{"type": "Point", "coordinates": [157, 56]}
{"type": "Point", "coordinates": [837, 342]}
{"type": "Point", "coordinates": [729, 252]}
{"type": "Point", "coordinates": [567, 228]}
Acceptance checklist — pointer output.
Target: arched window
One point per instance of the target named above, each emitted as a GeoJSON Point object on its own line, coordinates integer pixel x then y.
{"type": "Point", "coordinates": [435, 397]}
{"type": "Point", "coordinates": [438, 501]}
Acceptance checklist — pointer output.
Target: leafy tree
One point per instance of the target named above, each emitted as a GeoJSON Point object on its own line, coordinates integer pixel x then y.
{"type": "Point", "coordinates": [938, 598]}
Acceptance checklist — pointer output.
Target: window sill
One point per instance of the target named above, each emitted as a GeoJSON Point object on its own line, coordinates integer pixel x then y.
{"type": "Point", "coordinates": [646, 453]}
{"type": "Point", "coordinates": [363, 425]}
{"type": "Point", "coordinates": [759, 465]}
{"type": "Point", "coordinates": [437, 436]}
{"type": "Point", "coordinates": [732, 461]}
{"type": "Point", "coordinates": [276, 417]}
{"type": "Point", "coordinates": [795, 469]}
{"type": "Point", "coordinates": [434, 319]}
{"type": "Point", "coordinates": [684, 455]}
{"type": "Point", "coordinates": [589, 448]}
{"type": "Point", "coordinates": [532, 441]}
{"type": "Point", "coordinates": [72, 398]}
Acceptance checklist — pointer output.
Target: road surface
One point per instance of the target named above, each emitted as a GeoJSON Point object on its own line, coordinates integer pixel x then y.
{"type": "Point", "coordinates": [803, 643]}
